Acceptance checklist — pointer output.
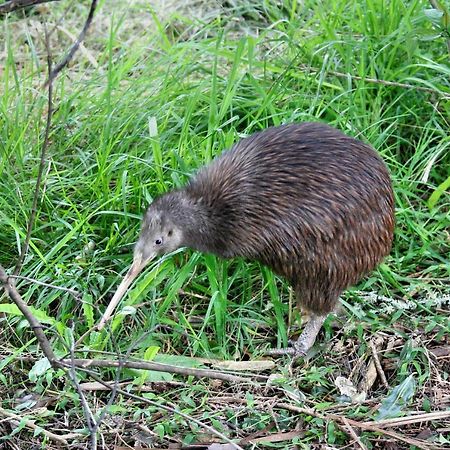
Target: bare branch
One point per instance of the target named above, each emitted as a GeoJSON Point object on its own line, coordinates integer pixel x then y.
{"type": "Point", "coordinates": [14, 5]}
{"type": "Point", "coordinates": [26, 242]}
{"type": "Point", "coordinates": [75, 46]}
{"type": "Point", "coordinates": [377, 362]}
{"type": "Point", "coordinates": [90, 419]}
{"type": "Point", "coordinates": [83, 363]}
{"type": "Point", "coordinates": [353, 434]}
{"type": "Point", "coordinates": [116, 386]}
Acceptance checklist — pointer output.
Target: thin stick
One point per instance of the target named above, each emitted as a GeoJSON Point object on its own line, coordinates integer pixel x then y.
{"type": "Point", "coordinates": [26, 242]}
{"type": "Point", "coordinates": [407, 420]}
{"type": "Point", "coordinates": [377, 362]}
{"type": "Point", "coordinates": [62, 439]}
{"type": "Point", "coordinates": [75, 46]}
{"type": "Point", "coordinates": [145, 365]}
{"type": "Point", "coordinates": [14, 5]}
{"type": "Point", "coordinates": [353, 434]}
{"type": "Point", "coordinates": [83, 363]}
{"type": "Point", "coordinates": [42, 283]}
{"type": "Point", "coordinates": [90, 419]}
{"type": "Point", "coordinates": [167, 408]}
{"type": "Point", "coordinates": [121, 360]}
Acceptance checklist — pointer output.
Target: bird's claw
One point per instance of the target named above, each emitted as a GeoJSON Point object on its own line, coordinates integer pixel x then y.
{"type": "Point", "coordinates": [295, 351]}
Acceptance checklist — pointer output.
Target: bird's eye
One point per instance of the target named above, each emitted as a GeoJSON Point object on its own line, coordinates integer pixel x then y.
{"type": "Point", "coordinates": [158, 242]}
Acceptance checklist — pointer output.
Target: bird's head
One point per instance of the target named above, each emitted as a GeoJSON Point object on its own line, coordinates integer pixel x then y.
{"type": "Point", "coordinates": [160, 233]}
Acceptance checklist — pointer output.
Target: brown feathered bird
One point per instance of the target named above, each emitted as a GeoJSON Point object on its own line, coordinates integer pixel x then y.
{"type": "Point", "coordinates": [314, 205]}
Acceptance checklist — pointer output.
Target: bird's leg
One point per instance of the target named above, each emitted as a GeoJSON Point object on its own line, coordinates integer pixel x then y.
{"type": "Point", "coordinates": [305, 341]}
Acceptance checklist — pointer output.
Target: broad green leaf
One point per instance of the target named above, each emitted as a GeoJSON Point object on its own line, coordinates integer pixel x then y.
{"type": "Point", "coordinates": [88, 310]}
{"type": "Point", "coordinates": [11, 308]}
{"type": "Point", "coordinates": [149, 355]}
{"type": "Point", "coordinates": [396, 401]}
{"type": "Point", "coordinates": [40, 367]}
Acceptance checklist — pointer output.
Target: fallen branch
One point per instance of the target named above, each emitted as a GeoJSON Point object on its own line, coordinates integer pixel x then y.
{"type": "Point", "coordinates": [353, 433]}
{"type": "Point", "coordinates": [84, 363]}
{"type": "Point", "coordinates": [72, 292]}
{"type": "Point", "coordinates": [14, 5]}
{"type": "Point", "coordinates": [92, 423]}
{"type": "Point", "coordinates": [160, 367]}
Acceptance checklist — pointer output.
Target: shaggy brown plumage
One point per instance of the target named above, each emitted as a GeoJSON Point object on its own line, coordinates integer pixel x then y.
{"type": "Point", "coordinates": [311, 203]}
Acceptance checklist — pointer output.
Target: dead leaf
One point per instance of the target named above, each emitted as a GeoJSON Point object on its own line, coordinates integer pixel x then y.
{"type": "Point", "coordinates": [441, 352]}
{"type": "Point", "coordinates": [347, 388]}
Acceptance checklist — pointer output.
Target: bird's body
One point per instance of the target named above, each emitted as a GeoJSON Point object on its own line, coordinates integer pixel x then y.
{"type": "Point", "coordinates": [314, 205]}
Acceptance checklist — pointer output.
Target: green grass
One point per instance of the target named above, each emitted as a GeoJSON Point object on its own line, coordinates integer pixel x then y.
{"type": "Point", "coordinates": [205, 83]}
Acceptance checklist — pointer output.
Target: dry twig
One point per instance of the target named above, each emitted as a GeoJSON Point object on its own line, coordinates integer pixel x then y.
{"type": "Point", "coordinates": [62, 439]}
{"type": "Point", "coordinates": [369, 426]}
{"type": "Point", "coordinates": [166, 408]}
{"type": "Point", "coordinates": [92, 423]}
{"type": "Point", "coordinates": [72, 292]}
{"type": "Point", "coordinates": [353, 434]}
{"type": "Point", "coordinates": [408, 420]}
{"type": "Point", "coordinates": [377, 362]}
{"type": "Point", "coordinates": [84, 363]}
{"type": "Point", "coordinates": [75, 45]}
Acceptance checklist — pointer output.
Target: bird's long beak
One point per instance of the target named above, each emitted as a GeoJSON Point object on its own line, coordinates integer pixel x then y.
{"type": "Point", "coordinates": [138, 264]}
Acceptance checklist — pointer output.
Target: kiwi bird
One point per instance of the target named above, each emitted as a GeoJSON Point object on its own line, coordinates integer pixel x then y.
{"type": "Point", "coordinates": [311, 203]}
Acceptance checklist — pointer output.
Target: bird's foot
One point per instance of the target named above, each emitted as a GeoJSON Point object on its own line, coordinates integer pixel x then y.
{"type": "Point", "coordinates": [301, 346]}
{"type": "Point", "coordinates": [295, 350]}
